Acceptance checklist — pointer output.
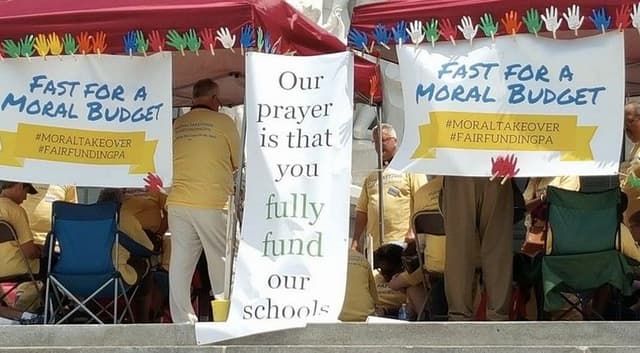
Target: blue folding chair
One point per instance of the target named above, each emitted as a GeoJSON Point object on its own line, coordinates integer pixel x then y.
{"type": "Point", "coordinates": [83, 274]}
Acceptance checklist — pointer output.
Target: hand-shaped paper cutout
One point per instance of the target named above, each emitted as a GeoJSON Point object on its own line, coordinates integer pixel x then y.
{"type": "Point", "coordinates": [130, 42]}
{"type": "Point", "coordinates": [142, 44]}
{"type": "Point", "coordinates": [70, 46]}
{"type": "Point", "coordinates": [259, 39]}
{"type": "Point", "coordinates": [551, 21]}
{"type": "Point", "coordinates": [268, 46]}
{"type": "Point", "coordinates": [225, 37]}
{"type": "Point", "coordinates": [176, 40]}
{"type": "Point", "coordinates": [431, 31]}
{"type": "Point", "coordinates": [469, 31]}
{"type": "Point", "coordinates": [100, 43]}
{"type": "Point", "coordinates": [208, 40]}
{"type": "Point", "coordinates": [416, 32]}
{"type": "Point", "coordinates": [153, 183]}
{"type": "Point", "coordinates": [246, 38]}
{"type": "Point", "coordinates": [41, 45]}
{"type": "Point", "coordinates": [84, 43]}
{"type": "Point", "coordinates": [400, 33]}
{"type": "Point", "coordinates": [11, 48]}
{"type": "Point", "coordinates": [635, 17]}
{"type": "Point", "coordinates": [511, 22]}
{"type": "Point", "coordinates": [374, 85]}
{"type": "Point", "coordinates": [488, 26]}
{"type": "Point", "coordinates": [157, 41]}
{"type": "Point", "coordinates": [504, 167]}
{"type": "Point", "coordinates": [448, 31]}
{"type": "Point", "coordinates": [532, 21]}
{"type": "Point", "coordinates": [26, 46]}
{"type": "Point", "coordinates": [574, 20]}
{"type": "Point", "coordinates": [600, 19]}
{"type": "Point", "coordinates": [192, 41]}
{"type": "Point", "coordinates": [623, 17]}
{"type": "Point", "coordinates": [358, 39]}
{"type": "Point", "coordinates": [381, 35]}
{"type": "Point", "coordinates": [54, 44]}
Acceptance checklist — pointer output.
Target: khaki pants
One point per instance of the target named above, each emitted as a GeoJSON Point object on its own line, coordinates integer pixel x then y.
{"type": "Point", "coordinates": [194, 230]}
{"type": "Point", "coordinates": [472, 207]}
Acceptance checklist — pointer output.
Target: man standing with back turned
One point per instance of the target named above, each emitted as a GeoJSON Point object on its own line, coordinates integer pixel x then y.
{"type": "Point", "coordinates": [206, 151]}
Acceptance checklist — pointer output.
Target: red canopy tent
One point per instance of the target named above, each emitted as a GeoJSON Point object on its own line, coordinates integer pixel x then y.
{"type": "Point", "coordinates": [388, 13]}
{"type": "Point", "coordinates": [117, 17]}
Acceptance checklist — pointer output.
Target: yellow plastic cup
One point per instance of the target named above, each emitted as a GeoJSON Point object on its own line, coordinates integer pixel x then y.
{"type": "Point", "coordinates": [220, 309]}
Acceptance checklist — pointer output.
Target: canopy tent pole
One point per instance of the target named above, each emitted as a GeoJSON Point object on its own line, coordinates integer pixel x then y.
{"type": "Point", "coordinates": [380, 179]}
{"type": "Point", "coordinates": [232, 217]}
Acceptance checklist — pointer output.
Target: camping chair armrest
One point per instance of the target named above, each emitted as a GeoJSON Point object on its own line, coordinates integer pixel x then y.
{"type": "Point", "coordinates": [135, 248]}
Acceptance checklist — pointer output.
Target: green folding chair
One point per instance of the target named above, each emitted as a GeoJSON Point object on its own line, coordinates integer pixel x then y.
{"type": "Point", "coordinates": [584, 252]}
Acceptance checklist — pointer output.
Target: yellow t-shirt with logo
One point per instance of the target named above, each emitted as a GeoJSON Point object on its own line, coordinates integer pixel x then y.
{"type": "Point", "coordinates": [399, 190]}
{"type": "Point", "coordinates": [206, 152]}
{"type": "Point", "coordinates": [38, 207]}
{"type": "Point", "coordinates": [11, 260]}
{"type": "Point", "coordinates": [388, 298]}
{"type": "Point", "coordinates": [361, 294]}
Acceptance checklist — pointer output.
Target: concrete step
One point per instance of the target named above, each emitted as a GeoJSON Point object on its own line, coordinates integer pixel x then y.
{"type": "Point", "coordinates": [400, 336]}
{"type": "Point", "coordinates": [326, 349]}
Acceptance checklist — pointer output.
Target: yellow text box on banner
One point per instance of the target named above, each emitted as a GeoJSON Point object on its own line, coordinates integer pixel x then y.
{"type": "Point", "coordinates": [78, 146]}
{"type": "Point", "coordinates": [508, 132]}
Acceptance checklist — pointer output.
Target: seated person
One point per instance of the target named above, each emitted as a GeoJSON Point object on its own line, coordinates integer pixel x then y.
{"type": "Point", "coordinates": [12, 262]}
{"type": "Point", "coordinates": [360, 295]}
{"type": "Point", "coordinates": [148, 207]}
{"type": "Point", "coordinates": [38, 207]}
{"type": "Point", "coordinates": [387, 261]}
{"type": "Point", "coordinates": [132, 269]}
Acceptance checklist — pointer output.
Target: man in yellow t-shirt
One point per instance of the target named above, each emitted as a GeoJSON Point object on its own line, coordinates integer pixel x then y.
{"type": "Point", "coordinates": [632, 164]}
{"type": "Point", "coordinates": [361, 295]}
{"type": "Point", "coordinates": [398, 188]}
{"type": "Point", "coordinates": [206, 153]}
{"type": "Point", "coordinates": [12, 262]}
{"type": "Point", "coordinates": [38, 207]}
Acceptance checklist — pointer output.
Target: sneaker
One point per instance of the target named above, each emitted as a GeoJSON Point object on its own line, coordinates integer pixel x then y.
{"type": "Point", "coordinates": [34, 320]}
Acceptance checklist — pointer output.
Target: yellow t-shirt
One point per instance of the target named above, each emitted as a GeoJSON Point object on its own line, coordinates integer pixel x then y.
{"type": "Point", "coordinates": [361, 295]}
{"type": "Point", "coordinates": [129, 225]}
{"type": "Point", "coordinates": [206, 152]}
{"type": "Point", "coordinates": [38, 207]}
{"type": "Point", "coordinates": [630, 165]}
{"type": "Point", "coordinates": [399, 190]}
{"type": "Point", "coordinates": [11, 261]}
{"type": "Point", "coordinates": [146, 208]}
{"type": "Point", "coordinates": [388, 298]}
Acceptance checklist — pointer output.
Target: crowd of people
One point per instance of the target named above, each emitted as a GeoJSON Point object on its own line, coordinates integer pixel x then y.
{"type": "Point", "coordinates": [464, 271]}
{"type": "Point", "coordinates": [467, 272]}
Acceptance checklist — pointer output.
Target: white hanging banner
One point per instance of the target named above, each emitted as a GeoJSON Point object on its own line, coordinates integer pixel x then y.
{"type": "Point", "coordinates": [86, 120]}
{"type": "Point", "coordinates": [292, 258]}
{"type": "Point", "coordinates": [548, 107]}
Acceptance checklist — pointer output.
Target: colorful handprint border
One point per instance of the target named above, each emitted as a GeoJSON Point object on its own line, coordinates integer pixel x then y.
{"type": "Point", "coordinates": [136, 42]}
{"type": "Point", "coordinates": [434, 29]}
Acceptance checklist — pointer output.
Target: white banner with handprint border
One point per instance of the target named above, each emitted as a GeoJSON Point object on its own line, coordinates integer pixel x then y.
{"type": "Point", "coordinates": [291, 265]}
{"type": "Point", "coordinates": [90, 120]}
{"type": "Point", "coordinates": [536, 106]}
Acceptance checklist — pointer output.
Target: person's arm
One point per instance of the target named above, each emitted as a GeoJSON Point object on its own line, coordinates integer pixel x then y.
{"type": "Point", "coordinates": [361, 217]}
{"type": "Point", "coordinates": [20, 222]}
{"type": "Point", "coordinates": [358, 228]}
{"type": "Point", "coordinates": [70, 194]}
{"type": "Point", "coordinates": [31, 250]}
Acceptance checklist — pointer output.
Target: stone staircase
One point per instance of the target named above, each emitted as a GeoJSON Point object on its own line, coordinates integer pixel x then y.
{"type": "Point", "coordinates": [543, 337]}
